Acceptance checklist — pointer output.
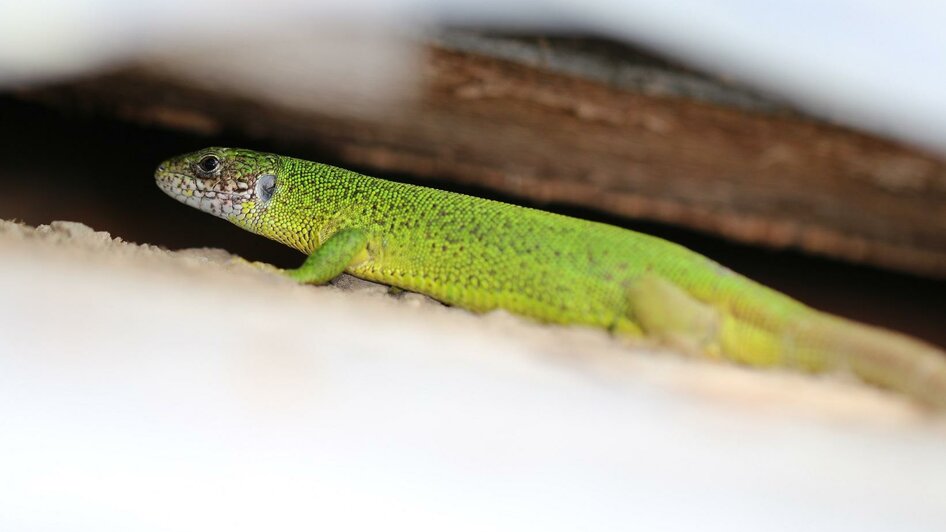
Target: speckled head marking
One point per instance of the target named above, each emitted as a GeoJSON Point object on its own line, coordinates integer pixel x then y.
{"type": "Point", "coordinates": [233, 184]}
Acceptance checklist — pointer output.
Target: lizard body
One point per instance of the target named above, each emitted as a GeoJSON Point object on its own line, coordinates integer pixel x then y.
{"type": "Point", "coordinates": [482, 255]}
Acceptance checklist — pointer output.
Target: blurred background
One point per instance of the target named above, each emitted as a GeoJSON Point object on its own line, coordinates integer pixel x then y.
{"type": "Point", "coordinates": [801, 143]}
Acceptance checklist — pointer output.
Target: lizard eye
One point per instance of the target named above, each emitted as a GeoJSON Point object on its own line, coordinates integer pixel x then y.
{"type": "Point", "coordinates": [208, 164]}
{"type": "Point", "coordinates": [265, 187]}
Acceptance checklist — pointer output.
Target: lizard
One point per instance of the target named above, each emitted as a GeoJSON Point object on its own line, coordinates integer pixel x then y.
{"type": "Point", "coordinates": [481, 255]}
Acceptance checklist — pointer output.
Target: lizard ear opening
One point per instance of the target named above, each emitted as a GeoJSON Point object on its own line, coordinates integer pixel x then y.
{"type": "Point", "coordinates": [265, 187]}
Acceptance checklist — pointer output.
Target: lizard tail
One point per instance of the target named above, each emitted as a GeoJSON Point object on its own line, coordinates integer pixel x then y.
{"type": "Point", "coordinates": [737, 319]}
{"type": "Point", "coordinates": [817, 342]}
{"type": "Point", "coordinates": [881, 357]}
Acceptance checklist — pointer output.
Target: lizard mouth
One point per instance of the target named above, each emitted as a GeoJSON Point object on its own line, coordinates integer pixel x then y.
{"type": "Point", "coordinates": [203, 194]}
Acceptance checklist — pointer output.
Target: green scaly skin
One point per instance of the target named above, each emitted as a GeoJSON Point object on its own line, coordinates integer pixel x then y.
{"type": "Point", "coordinates": [482, 255]}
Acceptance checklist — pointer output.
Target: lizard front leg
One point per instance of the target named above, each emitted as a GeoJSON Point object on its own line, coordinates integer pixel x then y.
{"type": "Point", "coordinates": [330, 259]}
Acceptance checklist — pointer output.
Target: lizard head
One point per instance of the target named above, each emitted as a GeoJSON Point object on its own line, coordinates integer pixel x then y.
{"type": "Point", "coordinates": [233, 184]}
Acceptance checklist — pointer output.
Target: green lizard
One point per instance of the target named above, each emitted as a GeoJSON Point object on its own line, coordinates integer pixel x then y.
{"type": "Point", "coordinates": [481, 255]}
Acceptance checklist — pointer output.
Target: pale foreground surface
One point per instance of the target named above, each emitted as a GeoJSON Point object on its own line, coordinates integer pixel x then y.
{"type": "Point", "coordinates": [148, 390]}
